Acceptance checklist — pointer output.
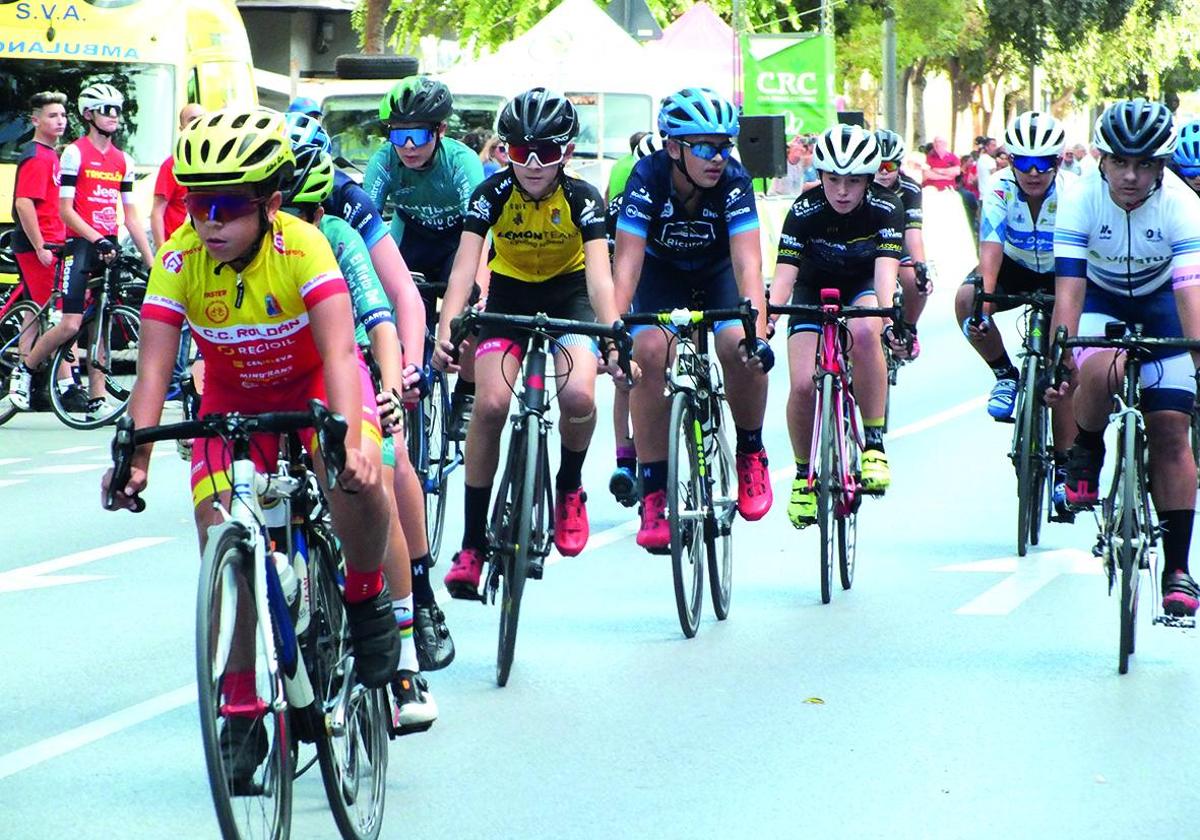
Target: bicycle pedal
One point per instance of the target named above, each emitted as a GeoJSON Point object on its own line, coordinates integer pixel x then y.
{"type": "Point", "coordinates": [1009, 420]}
{"type": "Point", "coordinates": [1179, 622]}
{"type": "Point", "coordinates": [534, 570]}
{"type": "Point", "coordinates": [662, 552]}
{"type": "Point", "coordinates": [410, 729]}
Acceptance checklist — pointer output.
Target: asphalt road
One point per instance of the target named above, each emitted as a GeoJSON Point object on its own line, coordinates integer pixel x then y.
{"type": "Point", "coordinates": [954, 692]}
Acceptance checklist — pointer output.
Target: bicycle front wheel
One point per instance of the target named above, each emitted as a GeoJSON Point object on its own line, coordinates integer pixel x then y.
{"type": "Point", "coordinates": [351, 721]}
{"type": "Point", "coordinates": [522, 486]}
{"type": "Point", "coordinates": [11, 326]}
{"type": "Point", "coordinates": [436, 419]}
{"type": "Point", "coordinates": [685, 512]}
{"type": "Point", "coordinates": [718, 525]}
{"type": "Point", "coordinates": [847, 526]}
{"type": "Point", "coordinates": [1025, 455]}
{"type": "Point", "coordinates": [1132, 533]}
{"type": "Point", "coordinates": [252, 800]}
{"type": "Point", "coordinates": [828, 482]}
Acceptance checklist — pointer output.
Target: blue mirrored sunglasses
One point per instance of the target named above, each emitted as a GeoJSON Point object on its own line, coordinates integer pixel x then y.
{"type": "Point", "coordinates": [418, 136]}
{"type": "Point", "coordinates": [1031, 165]}
{"type": "Point", "coordinates": [708, 151]}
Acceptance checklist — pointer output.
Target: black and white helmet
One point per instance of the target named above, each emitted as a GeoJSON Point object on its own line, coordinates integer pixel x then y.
{"type": "Point", "coordinates": [891, 145]}
{"type": "Point", "coordinates": [538, 114]}
{"type": "Point", "coordinates": [100, 95]}
{"type": "Point", "coordinates": [1135, 128]}
{"type": "Point", "coordinates": [648, 145]}
{"type": "Point", "coordinates": [847, 150]}
{"type": "Point", "coordinates": [1035, 134]}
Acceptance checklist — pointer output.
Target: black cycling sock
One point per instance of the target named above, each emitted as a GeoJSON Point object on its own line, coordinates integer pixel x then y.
{"type": "Point", "coordinates": [802, 469]}
{"type": "Point", "coordinates": [570, 470]}
{"type": "Point", "coordinates": [654, 476]}
{"type": "Point", "coordinates": [627, 464]}
{"type": "Point", "coordinates": [1091, 441]}
{"type": "Point", "coordinates": [1003, 367]}
{"type": "Point", "coordinates": [475, 511]}
{"type": "Point", "coordinates": [463, 387]}
{"type": "Point", "coordinates": [1176, 528]}
{"type": "Point", "coordinates": [1060, 459]}
{"type": "Point", "coordinates": [422, 590]}
{"type": "Point", "coordinates": [873, 437]}
{"type": "Point", "coordinates": [749, 441]}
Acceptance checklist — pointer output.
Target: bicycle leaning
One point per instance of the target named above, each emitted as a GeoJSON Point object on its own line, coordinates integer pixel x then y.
{"type": "Point", "coordinates": [1031, 453]}
{"type": "Point", "coordinates": [837, 440]}
{"type": "Point", "coordinates": [273, 569]}
{"type": "Point", "coordinates": [521, 527]}
{"type": "Point", "coordinates": [101, 358]}
{"type": "Point", "coordinates": [1127, 538]}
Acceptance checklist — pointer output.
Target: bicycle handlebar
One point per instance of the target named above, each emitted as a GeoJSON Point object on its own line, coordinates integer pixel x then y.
{"type": "Point", "coordinates": [1134, 344]}
{"type": "Point", "coordinates": [743, 312]}
{"type": "Point", "coordinates": [471, 320]}
{"type": "Point", "coordinates": [1040, 300]}
{"type": "Point", "coordinates": [329, 425]}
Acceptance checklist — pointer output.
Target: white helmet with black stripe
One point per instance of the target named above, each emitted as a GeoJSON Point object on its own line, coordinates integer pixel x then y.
{"type": "Point", "coordinates": [98, 96]}
{"type": "Point", "coordinates": [847, 150]}
{"type": "Point", "coordinates": [1035, 134]}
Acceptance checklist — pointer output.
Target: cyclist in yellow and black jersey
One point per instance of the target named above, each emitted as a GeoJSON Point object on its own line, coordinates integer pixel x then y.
{"type": "Point", "coordinates": [549, 254]}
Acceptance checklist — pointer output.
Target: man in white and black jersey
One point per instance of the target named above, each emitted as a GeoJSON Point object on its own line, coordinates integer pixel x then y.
{"type": "Point", "coordinates": [1016, 256]}
{"type": "Point", "coordinates": [1127, 249]}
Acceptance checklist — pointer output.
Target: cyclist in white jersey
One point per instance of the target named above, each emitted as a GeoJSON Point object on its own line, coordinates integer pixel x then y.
{"type": "Point", "coordinates": [1016, 256]}
{"type": "Point", "coordinates": [1127, 248]}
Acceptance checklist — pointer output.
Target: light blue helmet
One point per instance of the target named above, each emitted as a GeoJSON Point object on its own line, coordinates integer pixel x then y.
{"type": "Point", "coordinates": [303, 131]}
{"type": "Point", "coordinates": [696, 111]}
{"type": "Point", "coordinates": [1187, 147]}
{"type": "Point", "coordinates": [304, 105]}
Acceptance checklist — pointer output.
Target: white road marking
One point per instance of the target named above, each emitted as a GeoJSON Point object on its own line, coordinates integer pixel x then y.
{"type": "Point", "coordinates": [939, 418]}
{"type": "Point", "coordinates": [9, 482]}
{"type": "Point", "coordinates": [4, 462]}
{"type": "Point", "coordinates": [1026, 575]}
{"type": "Point", "coordinates": [33, 577]}
{"type": "Point", "coordinates": [72, 450]}
{"type": "Point", "coordinates": [59, 469]}
{"type": "Point", "coordinates": [44, 750]}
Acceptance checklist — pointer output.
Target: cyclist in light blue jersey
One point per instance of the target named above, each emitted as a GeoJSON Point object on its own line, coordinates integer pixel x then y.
{"type": "Point", "coordinates": [375, 333]}
{"type": "Point", "coordinates": [428, 179]}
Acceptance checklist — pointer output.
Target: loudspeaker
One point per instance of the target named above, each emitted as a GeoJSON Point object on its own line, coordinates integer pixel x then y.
{"type": "Point", "coordinates": [852, 118]}
{"type": "Point", "coordinates": [762, 146]}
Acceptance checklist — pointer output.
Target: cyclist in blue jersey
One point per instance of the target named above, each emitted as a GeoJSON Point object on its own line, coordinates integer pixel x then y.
{"type": "Point", "coordinates": [1127, 248]}
{"type": "Point", "coordinates": [1016, 256]}
{"type": "Point", "coordinates": [1185, 162]}
{"type": "Point", "coordinates": [428, 179]}
{"type": "Point", "coordinates": [375, 332]}
{"type": "Point", "coordinates": [688, 237]}
{"type": "Point", "coordinates": [348, 201]}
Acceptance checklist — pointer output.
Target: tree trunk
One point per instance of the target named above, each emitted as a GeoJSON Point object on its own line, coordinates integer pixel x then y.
{"type": "Point", "coordinates": [918, 83]}
{"type": "Point", "coordinates": [902, 104]}
{"type": "Point", "coordinates": [373, 25]}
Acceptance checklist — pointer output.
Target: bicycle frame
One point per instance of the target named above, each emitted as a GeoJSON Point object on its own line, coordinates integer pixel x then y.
{"type": "Point", "coordinates": [832, 362]}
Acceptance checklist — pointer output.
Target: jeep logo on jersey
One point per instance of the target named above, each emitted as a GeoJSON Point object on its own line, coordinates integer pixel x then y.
{"type": "Point", "coordinates": [172, 261]}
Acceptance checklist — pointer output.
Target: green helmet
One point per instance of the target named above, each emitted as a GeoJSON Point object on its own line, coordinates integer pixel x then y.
{"type": "Point", "coordinates": [417, 99]}
{"type": "Point", "coordinates": [313, 181]}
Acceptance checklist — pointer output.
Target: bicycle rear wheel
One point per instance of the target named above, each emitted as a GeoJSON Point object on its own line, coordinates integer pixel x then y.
{"type": "Point", "coordinates": [1131, 533]}
{"type": "Point", "coordinates": [351, 733]}
{"type": "Point", "coordinates": [828, 481]}
{"type": "Point", "coordinates": [522, 485]}
{"type": "Point", "coordinates": [847, 535]}
{"type": "Point", "coordinates": [260, 805]}
{"type": "Point", "coordinates": [718, 525]}
{"type": "Point", "coordinates": [685, 512]}
{"type": "Point", "coordinates": [116, 362]}
{"type": "Point", "coordinates": [1025, 454]}
{"type": "Point", "coordinates": [11, 326]}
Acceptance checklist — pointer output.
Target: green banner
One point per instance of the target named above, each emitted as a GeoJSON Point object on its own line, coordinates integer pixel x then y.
{"type": "Point", "coordinates": [790, 75]}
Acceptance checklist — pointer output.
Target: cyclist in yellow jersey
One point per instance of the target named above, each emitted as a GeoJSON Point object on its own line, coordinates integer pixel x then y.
{"type": "Point", "coordinates": [549, 254]}
{"type": "Point", "coordinates": [270, 311]}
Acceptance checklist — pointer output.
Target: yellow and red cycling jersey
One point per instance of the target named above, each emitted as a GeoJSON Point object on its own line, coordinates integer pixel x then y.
{"type": "Point", "coordinates": [251, 327]}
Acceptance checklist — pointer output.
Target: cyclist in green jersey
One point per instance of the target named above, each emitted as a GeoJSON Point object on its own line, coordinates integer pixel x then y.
{"type": "Point", "coordinates": [375, 333]}
{"type": "Point", "coordinates": [428, 178]}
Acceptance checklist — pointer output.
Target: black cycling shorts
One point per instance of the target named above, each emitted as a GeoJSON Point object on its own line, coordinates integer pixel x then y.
{"type": "Point", "coordinates": [81, 262]}
{"type": "Point", "coordinates": [1015, 279]}
{"type": "Point", "coordinates": [807, 292]}
{"type": "Point", "coordinates": [565, 296]}
{"type": "Point", "coordinates": [664, 286]}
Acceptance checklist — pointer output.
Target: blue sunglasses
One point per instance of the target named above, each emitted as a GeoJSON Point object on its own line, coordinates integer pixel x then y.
{"type": "Point", "coordinates": [1031, 165]}
{"type": "Point", "coordinates": [708, 151]}
{"type": "Point", "coordinates": [418, 136]}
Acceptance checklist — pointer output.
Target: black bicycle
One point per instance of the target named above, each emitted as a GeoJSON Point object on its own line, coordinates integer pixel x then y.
{"type": "Point", "coordinates": [1128, 535]}
{"type": "Point", "coordinates": [521, 530]}
{"type": "Point", "coordinates": [277, 553]}
{"type": "Point", "coordinates": [701, 482]}
{"type": "Point", "coordinates": [1031, 454]}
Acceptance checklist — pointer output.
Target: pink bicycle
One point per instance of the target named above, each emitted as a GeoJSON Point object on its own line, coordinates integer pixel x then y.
{"type": "Point", "coordinates": [837, 441]}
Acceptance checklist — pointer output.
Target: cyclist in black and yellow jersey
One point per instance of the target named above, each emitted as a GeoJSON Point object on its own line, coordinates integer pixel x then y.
{"type": "Point", "coordinates": [549, 254]}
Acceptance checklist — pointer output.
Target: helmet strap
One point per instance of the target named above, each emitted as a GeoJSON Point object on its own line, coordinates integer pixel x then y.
{"type": "Point", "coordinates": [98, 129]}
{"type": "Point", "coordinates": [682, 167]}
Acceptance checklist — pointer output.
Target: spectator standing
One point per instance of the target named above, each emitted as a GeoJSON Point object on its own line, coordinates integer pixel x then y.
{"type": "Point", "coordinates": [1069, 162]}
{"type": "Point", "coordinates": [944, 166]}
{"type": "Point", "coordinates": [168, 212]}
{"type": "Point", "coordinates": [801, 174]}
{"type": "Point", "coordinates": [1089, 160]}
{"type": "Point", "coordinates": [986, 164]}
